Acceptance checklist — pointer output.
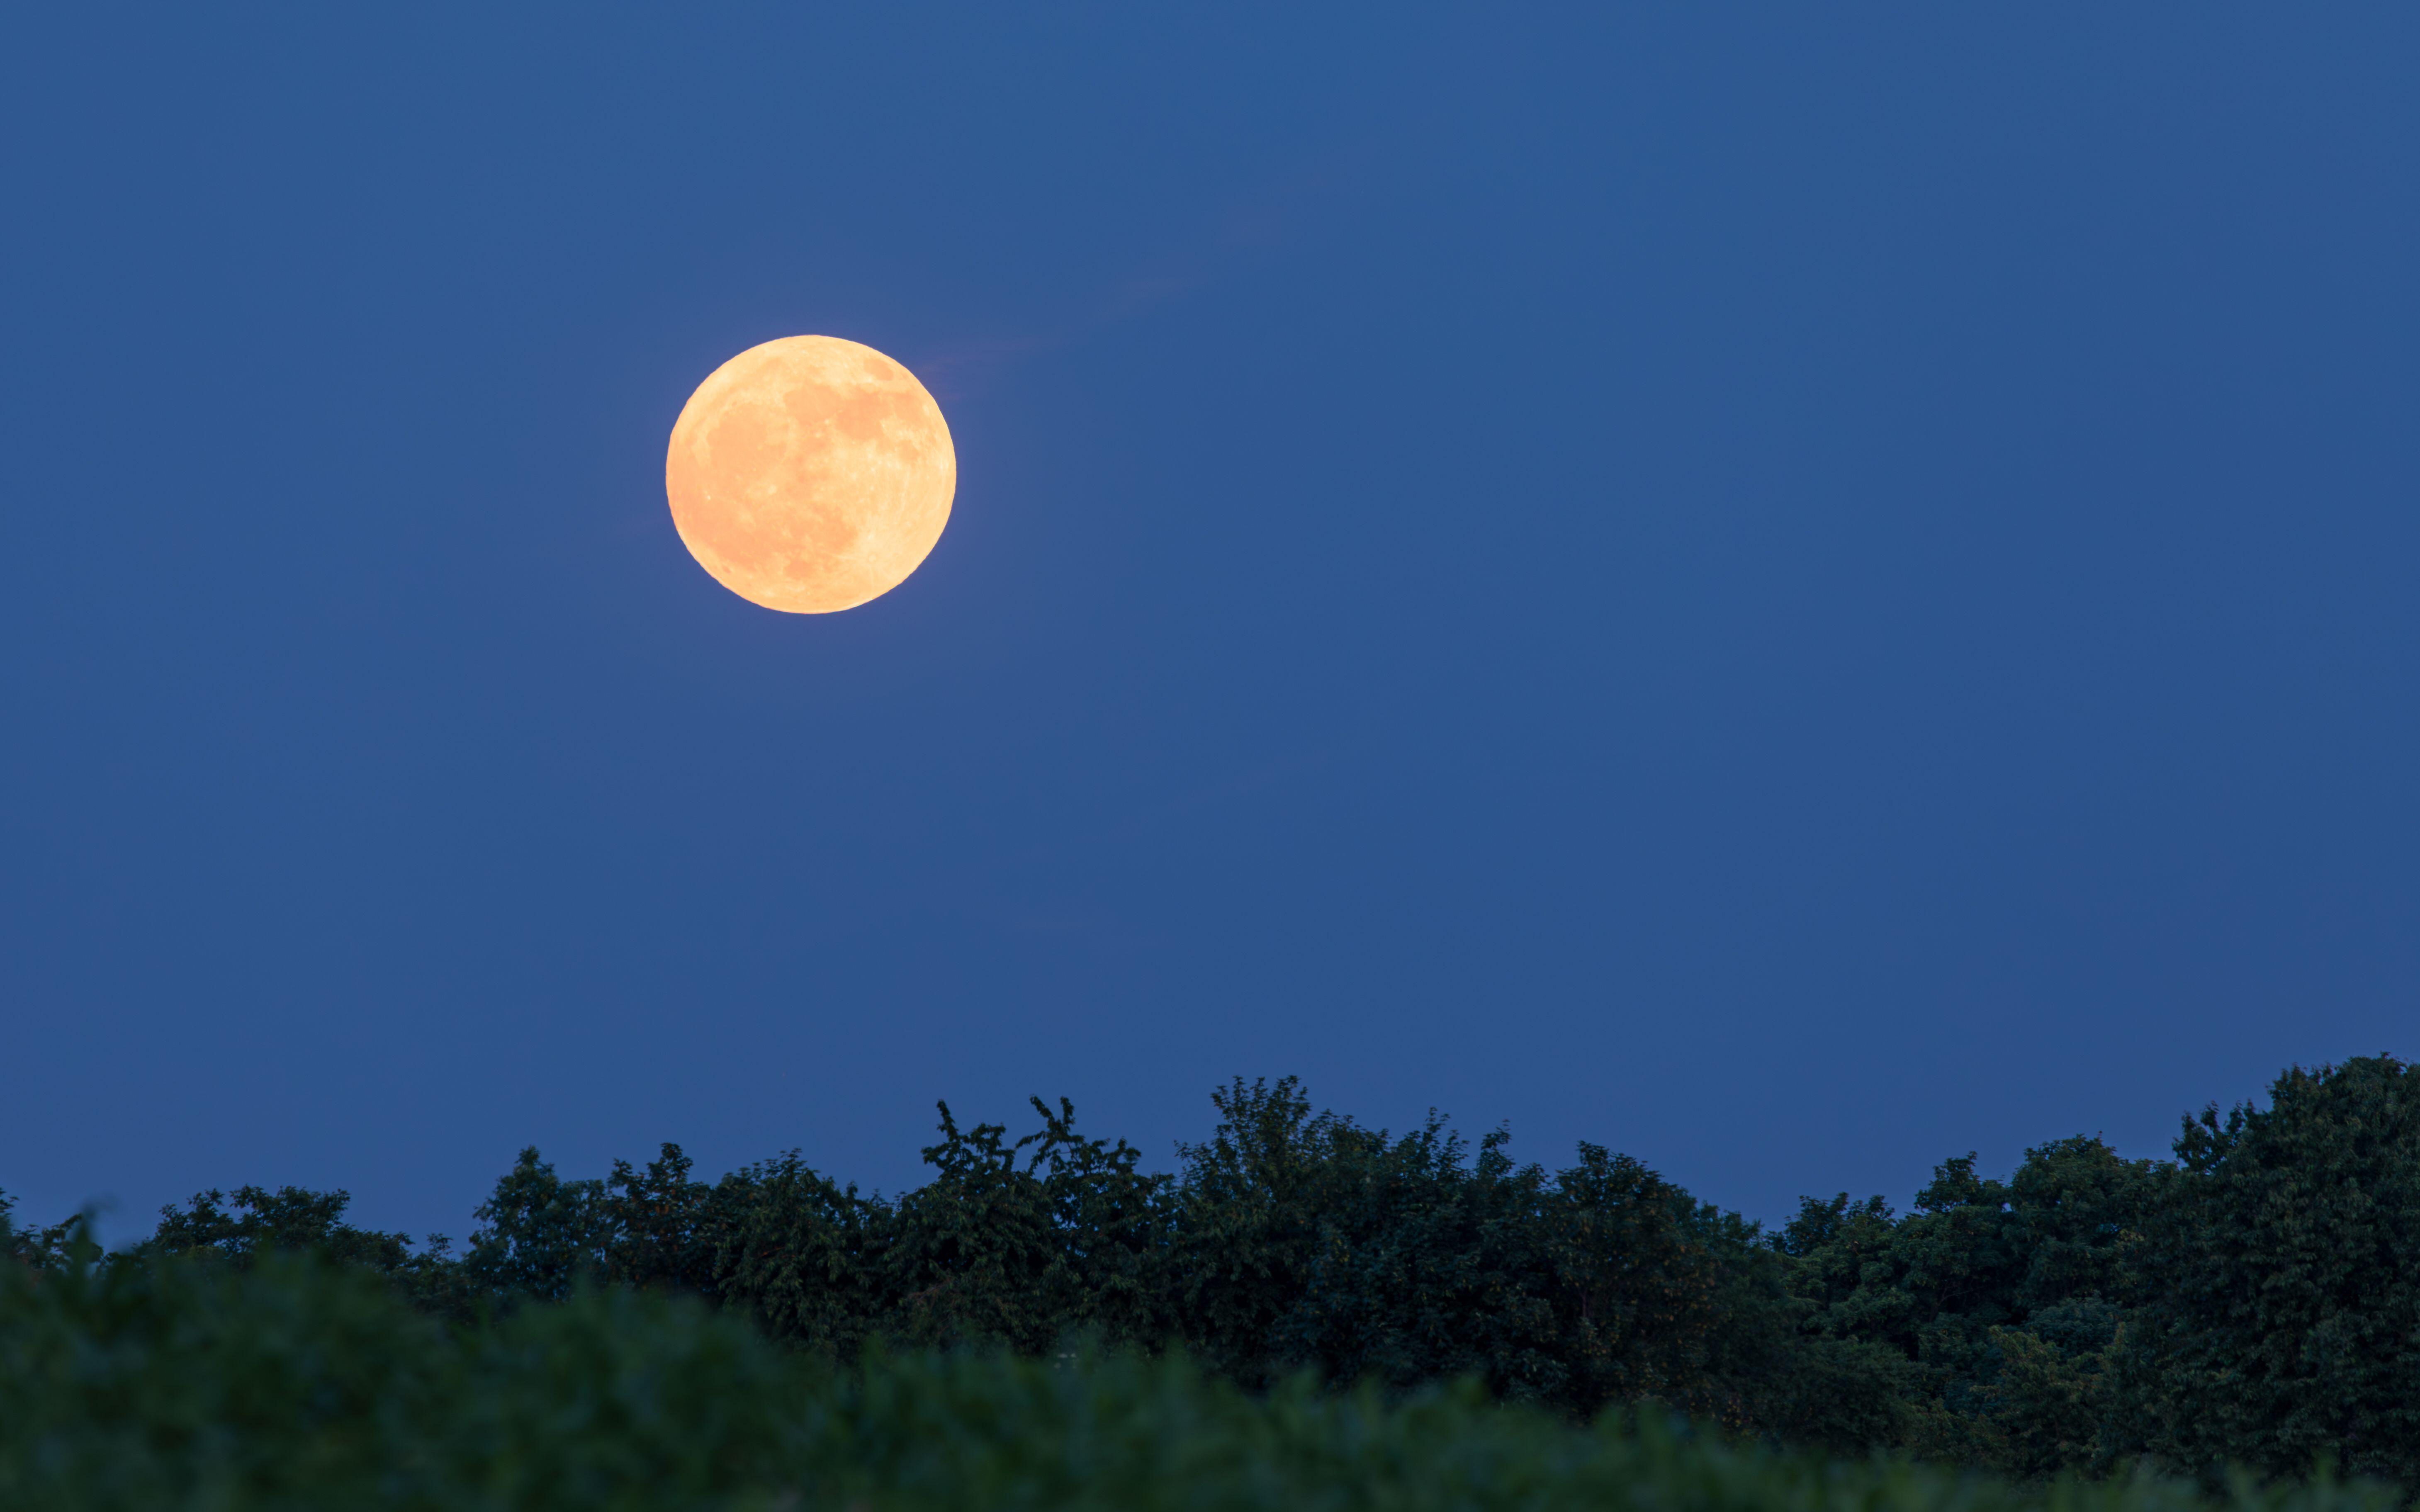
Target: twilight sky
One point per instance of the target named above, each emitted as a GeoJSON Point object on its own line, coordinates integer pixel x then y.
{"type": "Point", "coordinates": [1791, 592]}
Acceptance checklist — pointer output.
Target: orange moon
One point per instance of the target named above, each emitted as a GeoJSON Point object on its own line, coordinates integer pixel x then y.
{"type": "Point", "coordinates": [810, 474]}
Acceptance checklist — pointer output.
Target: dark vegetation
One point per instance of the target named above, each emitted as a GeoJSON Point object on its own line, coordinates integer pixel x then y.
{"type": "Point", "coordinates": [2252, 1304]}
{"type": "Point", "coordinates": [292, 1383]}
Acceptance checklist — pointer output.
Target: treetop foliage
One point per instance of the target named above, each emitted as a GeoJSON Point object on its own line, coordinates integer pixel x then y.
{"type": "Point", "coordinates": [2254, 1303]}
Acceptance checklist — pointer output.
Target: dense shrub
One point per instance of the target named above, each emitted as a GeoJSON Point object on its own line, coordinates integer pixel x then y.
{"type": "Point", "coordinates": [288, 1383]}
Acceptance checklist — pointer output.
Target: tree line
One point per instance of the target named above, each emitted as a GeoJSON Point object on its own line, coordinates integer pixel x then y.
{"type": "Point", "coordinates": [2254, 1301]}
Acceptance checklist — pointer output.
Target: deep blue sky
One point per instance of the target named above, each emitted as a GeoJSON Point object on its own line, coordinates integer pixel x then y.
{"type": "Point", "coordinates": [1791, 592]}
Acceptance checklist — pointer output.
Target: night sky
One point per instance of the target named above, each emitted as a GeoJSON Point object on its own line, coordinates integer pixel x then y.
{"type": "Point", "coordinates": [1793, 590]}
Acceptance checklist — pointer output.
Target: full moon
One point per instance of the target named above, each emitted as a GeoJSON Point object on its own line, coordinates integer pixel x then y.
{"type": "Point", "coordinates": [810, 474]}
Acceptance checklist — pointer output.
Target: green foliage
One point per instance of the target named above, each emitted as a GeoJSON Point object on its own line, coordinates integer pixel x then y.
{"type": "Point", "coordinates": [1011, 1243]}
{"type": "Point", "coordinates": [2287, 1326]}
{"type": "Point", "coordinates": [1999, 1303]}
{"type": "Point", "coordinates": [294, 1382]}
{"type": "Point", "coordinates": [36, 1246]}
{"type": "Point", "coordinates": [542, 1234]}
{"type": "Point", "coordinates": [1292, 1240]}
{"type": "Point", "coordinates": [1307, 1242]}
{"type": "Point", "coordinates": [291, 1220]}
{"type": "Point", "coordinates": [159, 1384]}
{"type": "Point", "coordinates": [2257, 1304]}
{"type": "Point", "coordinates": [248, 1227]}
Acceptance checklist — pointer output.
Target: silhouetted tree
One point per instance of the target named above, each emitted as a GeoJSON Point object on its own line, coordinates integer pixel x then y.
{"type": "Point", "coordinates": [2285, 1327]}
{"type": "Point", "coordinates": [2001, 1301]}
{"type": "Point", "coordinates": [2256, 1303]}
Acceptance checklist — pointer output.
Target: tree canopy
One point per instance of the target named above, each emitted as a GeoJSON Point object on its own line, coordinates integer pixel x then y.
{"type": "Point", "coordinates": [2254, 1301]}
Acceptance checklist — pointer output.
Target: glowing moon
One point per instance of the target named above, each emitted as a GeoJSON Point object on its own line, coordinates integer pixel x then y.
{"type": "Point", "coordinates": [810, 474]}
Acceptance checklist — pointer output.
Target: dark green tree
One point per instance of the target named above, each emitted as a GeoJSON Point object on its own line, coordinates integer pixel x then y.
{"type": "Point", "coordinates": [42, 1248]}
{"type": "Point", "coordinates": [255, 1222]}
{"type": "Point", "coordinates": [243, 1229]}
{"type": "Point", "coordinates": [540, 1236]}
{"type": "Point", "coordinates": [663, 1228]}
{"type": "Point", "coordinates": [993, 1252]}
{"type": "Point", "coordinates": [1306, 1241]}
{"type": "Point", "coordinates": [803, 1253]}
{"type": "Point", "coordinates": [2001, 1300]}
{"type": "Point", "coordinates": [2285, 1329]}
